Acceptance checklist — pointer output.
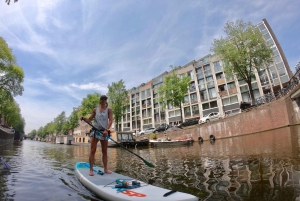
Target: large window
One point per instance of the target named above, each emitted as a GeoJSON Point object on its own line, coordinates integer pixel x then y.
{"type": "Point", "coordinates": [194, 98]}
{"type": "Point", "coordinates": [230, 100]}
{"type": "Point", "coordinates": [212, 93]}
{"type": "Point", "coordinates": [231, 85]}
{"type": "Point", "coordinates": [190, 74]}
{"type": "Point", "coordinates": [195, 109]}
{"type": "Point", "coordinates": [206, 67]}
{"type": "Point", "coordinates": [143, 95]}
{"type": "Point", "coordinates": [187, 111]}
{"type": "Point", "coordinates": [217, 66]}
{"type": "Point", "coordinates": [209, 105]}
{"type": "Point", "coordinates": [203, 95]}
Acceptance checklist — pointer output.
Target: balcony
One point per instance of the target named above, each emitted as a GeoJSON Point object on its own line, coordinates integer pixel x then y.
{"type": "Point", "coordinates": [144, 106]}
{"type": "Point", "coordinates": [232, 91]}
{"type": "Point", "coordinates": [221, 81]}
{"type": "Point", "coordinates": [194, 101]}
{"type": "Point", "coordinates": [223, 93]}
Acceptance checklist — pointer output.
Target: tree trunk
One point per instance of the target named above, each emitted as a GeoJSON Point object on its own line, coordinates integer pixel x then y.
{"type": "Point", "coordinates": [181, 113]}
{"type": "Point", "coordinates": [251, 92]}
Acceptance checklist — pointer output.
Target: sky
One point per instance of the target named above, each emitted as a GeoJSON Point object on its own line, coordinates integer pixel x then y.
{"type": "Point", "coordinates": [69, 49]}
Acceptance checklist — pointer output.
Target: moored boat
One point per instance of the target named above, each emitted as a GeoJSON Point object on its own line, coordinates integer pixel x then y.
{"type": "Point", "coordinates": [127, 140]}
{"type": "Point", "coordinates": [6, 135]}
{"type": "Point", "coordinates": [169, 142]}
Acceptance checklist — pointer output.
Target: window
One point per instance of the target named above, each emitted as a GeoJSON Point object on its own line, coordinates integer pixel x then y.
{"type": "Point", "coordinates": [209, 78]}
{"type": "Point", "coordinates": [192, 87]}
{"type": "Point", "coordinates": [198, 70]}
{"type": "Point", "coordinates": [230, 100]}
{"type": "Point", "coordinates": [190, 74]}
{"type": "Point", "coordinates": [206, 67]}
{"type": "Point", "coordinates": [195, 109]}
{"type": "Point", "coordinates": [200, 75]}
{"type": "Point", "coordinates": [267, 36]}
{"type": "Point", "coordinates": [212, 104]}
{"type": "Point", "coordinates": [279, 65]}
{"type": "Point", "coordinates": [219, 76]}
{"type": "Point", "coordinates": [143, 95]}
{"type": "Point", "coordinates": [203, 95]}
{"type": "Point", "coordinates": [194, 98]}
{"type": "Point", "coordinates": [277, 59]}
{"type": "Point", "coordinates": [201, 81]}
{"type": "Point", "coordinates": [244, 88]}
{"type": "Point", "coordinates": [212, 93]}
{"type": "Point", "coordinates": [246, 97]}
{"type": "Point", "coordinates": [208, 73]}
{"type": "Point", "coordinates": [210, 84]}
{"type": "Point", "coordinates": [222, 87]}
{"type": "Point", "coordinates": [148, 93]}
{"type": "Point", "coordinates": [281, 72]}
{"type": "Point", "coordinates": [217, 66]}
{"type": "Point", "coordinates": [262, 27]}
{"type": "Point", "coordinates": [201, 87]}
{"type": "Point", "coordinates": [242, 82]}
{"type": "Point", "coordinates": [231, 85]}
{"type": "Point", "coordinates": [186, 99]}
{"type": "Point", "coordinates": [187, 111]}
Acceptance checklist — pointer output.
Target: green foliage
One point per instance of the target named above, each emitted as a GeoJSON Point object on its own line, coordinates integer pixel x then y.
{"type": "Point", "coordinates": [173, 90]}
{"type": "Point", "coordinates": [73, 120]}
{"type": "Point", "coordinates": [118, 97]}
{"type": "Point", "coordinates": [88, 104]}
{"type": "Point", "coordinates": [33, 133]}
{"type": "Point", "coordinates": [59, 121]}
{"type": "Point", "coordinates": [244, 51]}
{"type": "Point", "coordinates": [152, 136]}
{"type": "Point", "coordinates": [12, 76]}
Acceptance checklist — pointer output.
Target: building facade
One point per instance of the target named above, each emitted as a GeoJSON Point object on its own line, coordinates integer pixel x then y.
{"type": "Point", "coordinates": [209, 90]}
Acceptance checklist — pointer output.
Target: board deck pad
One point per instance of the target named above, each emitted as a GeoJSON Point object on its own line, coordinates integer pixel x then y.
{"type": "Point", "coordinates": [104, 186]}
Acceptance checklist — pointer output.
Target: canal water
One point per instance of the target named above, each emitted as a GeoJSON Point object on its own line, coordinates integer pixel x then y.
{"type": "Point", "coordinates": [262, 166]}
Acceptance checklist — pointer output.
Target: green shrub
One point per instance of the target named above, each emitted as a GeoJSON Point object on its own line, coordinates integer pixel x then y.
{"type": "Point", "coordinates": [153, 136]}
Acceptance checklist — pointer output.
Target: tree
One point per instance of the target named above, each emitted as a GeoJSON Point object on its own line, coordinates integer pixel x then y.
{"type": "Point", "coordinates": [59, 121]}
{"type": "Point", "coordinates": [118, 97]}
{"type": "Point", "coordinates": [173, 90]}
{"type": "Point", "coordinates": [88, 104]}
{"type": "Point", "coordinates": [11, 75]}
{"type": "Point", "coordinates": [244, 51]}
{"type": "Point", "coordinates": [73, 120]}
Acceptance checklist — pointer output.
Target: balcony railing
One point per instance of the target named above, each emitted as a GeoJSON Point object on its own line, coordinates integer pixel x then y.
{"type": "Point", "coordinates": [233, 91]}
{"type": "Point", "coordinates": [223, 93]}
{"type": "Point", "coordinates": [221, 81]}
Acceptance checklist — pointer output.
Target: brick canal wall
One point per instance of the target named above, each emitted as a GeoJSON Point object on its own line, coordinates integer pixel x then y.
{"type": "Point", "coordinates": [277, 114]}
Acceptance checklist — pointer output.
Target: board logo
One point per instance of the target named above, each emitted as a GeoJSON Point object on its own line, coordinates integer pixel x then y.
{"type": "Point", "coordinates": [133, 194]}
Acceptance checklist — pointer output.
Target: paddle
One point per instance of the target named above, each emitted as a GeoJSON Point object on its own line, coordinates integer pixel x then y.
{"type": "Point", "coordinates": [6, 166]}
{"type": "Point", "coordinates": [146, 162]}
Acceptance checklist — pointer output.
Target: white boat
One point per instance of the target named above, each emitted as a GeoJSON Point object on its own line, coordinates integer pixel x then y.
{"type": "Point", "coordinates": [107, 186]}
{"type": "Point", "coordinates": [166, 142]}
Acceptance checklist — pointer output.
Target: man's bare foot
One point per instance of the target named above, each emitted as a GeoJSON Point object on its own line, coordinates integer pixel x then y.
{"type": "Point", "coordinates": [107, 171]}
{"type": "Point", "coordinates": [91, 173]}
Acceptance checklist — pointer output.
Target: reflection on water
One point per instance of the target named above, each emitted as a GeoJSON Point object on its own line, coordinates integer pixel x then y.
{"type": "Point", "coordinates": [264, 166]}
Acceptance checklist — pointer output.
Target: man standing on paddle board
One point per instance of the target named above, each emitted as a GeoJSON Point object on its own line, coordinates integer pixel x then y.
{"type": "Point", "coordinates": [103, 119]}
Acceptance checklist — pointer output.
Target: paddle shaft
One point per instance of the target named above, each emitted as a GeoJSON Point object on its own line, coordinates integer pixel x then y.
{"type": "Point", "coordinates": [115, 141]}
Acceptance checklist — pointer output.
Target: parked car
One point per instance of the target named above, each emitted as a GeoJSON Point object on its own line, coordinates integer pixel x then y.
{"type": "Point", "coordinates": [146, 131]}
{"type": "Point", "coordinates": [188, 122]}
{"type": "Point", "coordinates": [210, 117]}
{"type": "Point", "coordinates": [161, 128]}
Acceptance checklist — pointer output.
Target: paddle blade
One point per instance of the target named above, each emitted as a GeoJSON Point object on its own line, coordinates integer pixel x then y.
{"type": "Point", "coordinates": [6, 166]}
{"type": "Point", "coordinates": [149, 164]}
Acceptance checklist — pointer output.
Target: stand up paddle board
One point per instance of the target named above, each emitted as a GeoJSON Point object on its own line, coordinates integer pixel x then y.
{"type": "Point", "coordinates": [119, 187]}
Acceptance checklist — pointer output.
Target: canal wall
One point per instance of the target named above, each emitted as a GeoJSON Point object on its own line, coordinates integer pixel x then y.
{"type": "Point", "coordinates": [277, 114]}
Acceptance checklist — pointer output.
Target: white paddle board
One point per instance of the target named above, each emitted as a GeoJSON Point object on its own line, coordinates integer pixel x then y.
{"type": "Point", "coordinates": [106, 187]}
